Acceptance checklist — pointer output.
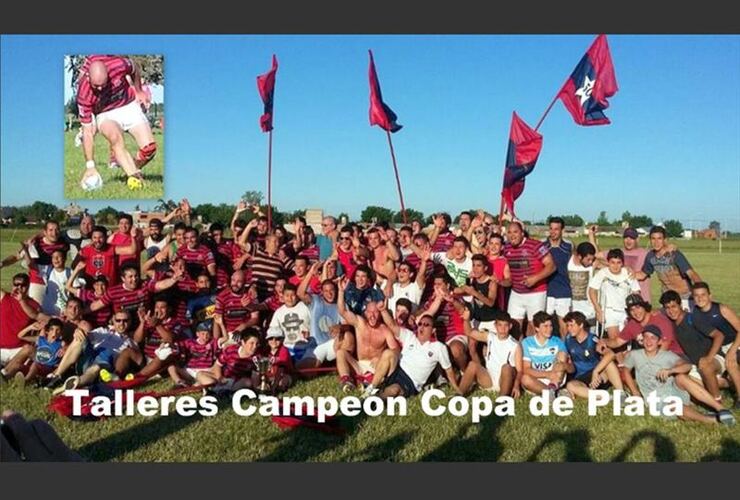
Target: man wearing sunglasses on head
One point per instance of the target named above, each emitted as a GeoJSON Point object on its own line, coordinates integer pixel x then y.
{"type": "Point", "coordinates": [17, 311]}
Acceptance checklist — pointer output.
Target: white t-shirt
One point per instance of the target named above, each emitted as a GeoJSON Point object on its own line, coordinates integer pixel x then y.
{"type": "Point", "coordinates": [55, 296]}
{"type": "Point", "coordinates": [292, 321]}
{"type": "Point", "coordinates": [103, 338]}
{"type": "Point", "coordinates": [418, 360]}
{"type": "Point", "coordinates": [579, 277]}
{"type": "Point", "coordinates": [459, 271]}
{"type": "Point", "coordinates": [615, 287]}
{"type": "Point", "coordinates": [500, 352]}
{"type": "Point", "coordinates": [411, 291]}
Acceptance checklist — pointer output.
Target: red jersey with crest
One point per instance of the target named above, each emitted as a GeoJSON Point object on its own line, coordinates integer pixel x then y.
{"type": "Point", "coordinates": [229, 306]}
{"type": "Point", "coordinates": [116, 92]}
{"type": "Point", "coordinates": [233, 365]}
{"type": "Point", "coordinates": [101, 262]}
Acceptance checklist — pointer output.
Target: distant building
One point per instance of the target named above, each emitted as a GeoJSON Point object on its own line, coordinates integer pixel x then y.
{"type": "Point", "coordinates": [141, 219]}
{"type": "Point", "coordinates": [708, 234]}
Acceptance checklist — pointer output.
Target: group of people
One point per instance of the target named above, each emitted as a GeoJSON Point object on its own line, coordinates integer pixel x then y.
{"type": "Point", "coordinates": [394, 310]}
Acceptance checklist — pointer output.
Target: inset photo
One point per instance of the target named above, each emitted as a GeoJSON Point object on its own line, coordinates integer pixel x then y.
{"type": "Point", "coordinates": [113, 126]}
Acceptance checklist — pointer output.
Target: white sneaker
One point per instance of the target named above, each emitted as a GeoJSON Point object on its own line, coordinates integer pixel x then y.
{"type": "Point", "coordinates": [369, 391]}
{"type": "Point", "coordinates": [68, 385]}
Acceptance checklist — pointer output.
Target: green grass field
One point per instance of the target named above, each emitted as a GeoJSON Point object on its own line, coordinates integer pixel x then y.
{"type": "Point", "coordinates": [114, 180]}
{"type": "Point", "coordinates": [416, 437]}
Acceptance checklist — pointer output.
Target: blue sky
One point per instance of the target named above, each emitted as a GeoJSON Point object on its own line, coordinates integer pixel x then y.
{"type": "Point", "coordinates": [672, 150]}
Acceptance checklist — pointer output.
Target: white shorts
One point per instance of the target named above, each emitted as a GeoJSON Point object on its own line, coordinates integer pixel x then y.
{"type": "Point", "coordinates": [694, 373]}
{"type": "Point", "coordinates": [37, 291]}
{"type": "Point", "coordinates": [521, 304]}
{"type": "Point", "coordinates": [7, 354]}
{"type": "Point", "coordinates": [561, 307]}
{"type": "Point", "coordinates": [458, 338]}
{"type": "Point", "coordinates": [322, 352]}
{"type": "Point", "coordinates": [494, 371]}
{"type": "Point", "coordinates": [488, 326]}
{"type": "Point", "coordinates": [366, 366]}
{"type": "Point", "coordinates": [613, 317]}
{"type": "Point", "coordinates": [193, 372]}
{"type": "Point", "coordinates": [126, 117]}
{"type": "Point", "coordinates": [585, 307]}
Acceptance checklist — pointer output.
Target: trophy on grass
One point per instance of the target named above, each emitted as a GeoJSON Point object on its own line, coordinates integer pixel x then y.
{"type": "Point", "coordinates": [262, 365]}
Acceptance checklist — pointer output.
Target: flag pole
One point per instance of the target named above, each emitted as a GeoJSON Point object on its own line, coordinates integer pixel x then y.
{"type": "Point", "coordinates": [547, 111]}
{"type": "Point", "coordinates": [269, 181]}
{"type": "Point", "coordinates": [398, 180]}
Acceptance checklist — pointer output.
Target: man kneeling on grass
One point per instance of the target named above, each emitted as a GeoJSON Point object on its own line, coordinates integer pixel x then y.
{"type": "Point", "coordinates": [594, 366]}
{"type": "Point", "coordinates": [410, 370]}
{"type": "Point", "coordinates": [666, 374]}
{"type": "Point", "coordinates": [503, 368]}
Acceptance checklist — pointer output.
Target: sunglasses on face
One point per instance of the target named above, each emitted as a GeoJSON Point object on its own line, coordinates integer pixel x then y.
{"type": "Point", "coordinates": [120, 320]}
{"type": "Point", "coordinates": [426, 324]}
{"type": "Point", "coordinates": [19, 285]}
{"type": "Point", "coordinates": [341, 238]}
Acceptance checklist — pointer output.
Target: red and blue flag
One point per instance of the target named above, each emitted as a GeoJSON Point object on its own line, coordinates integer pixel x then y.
{"type": "Point", "coordinates": [586, 91]}
{"type": "Point", "coordinates": [380, 113]}
{"type": "Point", "coordinates": [266, 87]}
{"type": "Point", "coordinates": [524, 149]}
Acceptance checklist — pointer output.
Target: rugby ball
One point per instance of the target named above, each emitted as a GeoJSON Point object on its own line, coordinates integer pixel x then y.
{"type": "Point", "coordinates": [134, 183]}
{"type": "Point", "coordinates": [92, 182]}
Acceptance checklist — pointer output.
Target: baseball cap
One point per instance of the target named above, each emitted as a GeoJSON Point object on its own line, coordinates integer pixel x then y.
{"type": "Point", "coordinates": [653, 329]}
{"type": "Point", "coordinates": [203, 326]}
{"type": "Point", "coordinates": [630, 232]}
{"type": "Point", "coordinates": [274, 332]}
{"type": "Point", "coordinates": [634, 299]}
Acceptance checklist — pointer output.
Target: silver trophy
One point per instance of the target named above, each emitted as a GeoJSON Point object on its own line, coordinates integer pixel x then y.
{"type": "Point", "coordinates": [262, 365]}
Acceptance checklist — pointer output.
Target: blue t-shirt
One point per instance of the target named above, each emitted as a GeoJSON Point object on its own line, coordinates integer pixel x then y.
{"type": "Point", "coordinates": [558, 284]}
{"type": "Point", "coordinates": [356, 299]}
{"type": "Point", "coordinates": [326, 246]}
{"type": "Point", "coordinates": [323, 317]}
{"type": "Point", "coordinates": [584, 355]}
{"type": "Point", "coordinates": [47, 353]}
{"type": "Point", "coordinates": [201, 308]}
{"type": "Point", "coordinates": [542, 357]}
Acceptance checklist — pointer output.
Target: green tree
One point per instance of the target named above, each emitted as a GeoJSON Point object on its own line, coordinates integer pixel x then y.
{"type": "Point", "coordinates": [603, 220]}
{"type": "Point", "coordinates": [210, 213]}
{"type": "Point", "coordinates": [715, 225]}
{"type": "Point", "coordinates": [379, 214]}
{"type": "Point", "coordinates": [674, 228]}
{"type": "Point", "coordinates": [165, 206]}
{"type": "Point", "coordinates": [570, 220]}
{"type": "Point", "coordinates": [411, 215]}
{"type": "Point", "coordinates": [107, 215]}
{"type": "Point", "coordinates": [253, 197]}
{"type": "Point", "coordinates": [637, 220]}
{"type": "Point", "coordinates": [343, 215]}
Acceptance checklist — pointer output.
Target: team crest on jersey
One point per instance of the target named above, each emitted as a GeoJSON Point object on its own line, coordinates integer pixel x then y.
{"type": "Point", "coordinates": [430, 354]}
{"type": "Point", "coordinates": [98, 262]}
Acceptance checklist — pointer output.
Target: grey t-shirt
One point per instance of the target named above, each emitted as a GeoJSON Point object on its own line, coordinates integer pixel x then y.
{"type": "Point", "coordinates": [646, 367]}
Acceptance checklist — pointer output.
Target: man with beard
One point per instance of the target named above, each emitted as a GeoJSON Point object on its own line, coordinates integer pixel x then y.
{"type": "Point", "coordinates": [197, 256]}
{"type": "Point", "coordinates": [101, 259]}
{"type": "Point", "coordinates": [441, 237]}
{"type": "Point", "coordinates": [559, 294]}
{"type": "Point", "coordinates": [372, 337]}
{"type": "Point", "coordinates": [233, 312]}
{"type": "Point", "coordinates": [223, 252]}
{"type": "Point", "coordinates": [124, 237]}
{"type": "Point", "coordinates": [77, 239]}
{"type": "Point", "coordinates": [383, 254]}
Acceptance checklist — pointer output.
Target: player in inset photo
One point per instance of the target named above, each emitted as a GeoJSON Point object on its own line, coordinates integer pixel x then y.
{"type": "Point", "coordinates": [117, 126]}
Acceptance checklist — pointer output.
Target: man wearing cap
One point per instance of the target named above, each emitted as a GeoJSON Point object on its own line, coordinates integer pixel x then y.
{"type": "Point", "coordinates": [639, 315]}
{"type": "Point", "coordinates": [664, 373]}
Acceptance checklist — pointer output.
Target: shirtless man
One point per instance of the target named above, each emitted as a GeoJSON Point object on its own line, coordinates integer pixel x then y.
{"type": "Point", "coordinates": [372, 338]}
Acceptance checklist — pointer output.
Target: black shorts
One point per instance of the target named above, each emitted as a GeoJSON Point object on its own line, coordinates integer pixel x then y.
{"type": "Point", "coordinates": [402, 379]}
{"type": "Point", "coordinates": [586, 379]}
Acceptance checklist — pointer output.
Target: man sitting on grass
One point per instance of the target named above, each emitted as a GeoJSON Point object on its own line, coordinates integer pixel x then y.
{"type": "Point", "coordinates": [544, 358]}
{"type": "Point", "coordinates": [503, 368]}
{"type": "Point", "coordinates": [404, 374]}
{"type": "Point", "coordinates": [594, 367]}
{"type": "Point", "coordinates": [666, 374]}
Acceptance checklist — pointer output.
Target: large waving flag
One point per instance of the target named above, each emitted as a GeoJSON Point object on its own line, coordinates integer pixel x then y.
{"type": "Point", "coordinates": [524, 148]}
{"type": "Point", "coordinates": [266, 87]}
{"type": "Point", "coordinates": [380, 113]}
{"type": "Point", "coordinates": [585, 93]}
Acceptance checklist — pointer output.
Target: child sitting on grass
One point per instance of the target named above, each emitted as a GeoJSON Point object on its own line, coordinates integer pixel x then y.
{"type": "Point", "coordinates": [49, 348]}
